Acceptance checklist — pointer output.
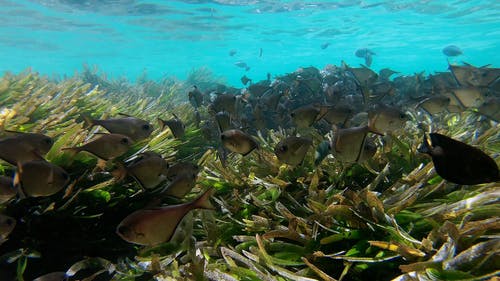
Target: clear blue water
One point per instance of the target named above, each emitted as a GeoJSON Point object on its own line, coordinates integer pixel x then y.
{"type": "Point", "coordinates": [124, 38]}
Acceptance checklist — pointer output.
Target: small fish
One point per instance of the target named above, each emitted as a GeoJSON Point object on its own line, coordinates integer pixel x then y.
{"type": "Point", "coordinates": [53, 276]}
{"type": "Point", "coordinates": [458, 162]}
{"type": "Point", "coordinates": [237, 141]}
{"type": "Point", "coordinates": [40, 178]}
{"type": "Point", "coordinates": [154, 226]}
{"type": "Point", "coordinates": [7, 224]}
{"type": "Point", "coordinates": [225, 102]}
{"type": "Point", "coordinates": [195, 97]}
{"type": "Point", "coordinates": [366, 54]}
{"type": "Point", "coordinates": [321, 152]}
{"type": "Point", "coordinates": [452, 51]}
{"type": "Point", "coordinates": [244, 79]}
{"type": "Point", "coordinates": [491, 108]}
{"type": "Point", "coordinates": [182, 168]}
{"type": "Point", "coordinates": [339, 115]}
{"type": "Point", "coordinates": [180, 186]}
{"type": "Point", "coordinates": [435, 104]}
{"type": "Point", "coordinates": [386, 73]}
{"type": "Point", "coordinates": [232, 52]}
{"type": "Point", "coordinates": [305, 116]}
{"type": "Point", "coordinates": [260, 52]}
{"type": "Point", "coordinates": [135, 128]}
{"type": "Point", "coordinates": [383, 119]}
{"type": "Point", "coordinates": [365, 76]}
{"type": "Point", "coordinates": [348, 145]}
{"type": "Point", "coordinates": [223, 120]}
{"type": "Point", "coordinates": [325, 45]}
{"type": "Point", "coordinates": [469, 97]}
{"type": "Point", "coordinates": [292, 150]}
{"type": "Point", "coordinates": [106, 146]}
{"type": "Point", "coordinates": [149, 169]}
{"type": "Point", "coordinates": [23, 147]}
{"type": "Point", "coordinates": [241, 64]}
{"type": "Point", "coordinates": [175, 125]}
{"type": "Point", "coordinates": [7, 190]}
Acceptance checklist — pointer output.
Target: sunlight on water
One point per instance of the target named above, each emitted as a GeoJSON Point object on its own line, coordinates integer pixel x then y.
{"type": "Point", "coordinates": [125, 38]}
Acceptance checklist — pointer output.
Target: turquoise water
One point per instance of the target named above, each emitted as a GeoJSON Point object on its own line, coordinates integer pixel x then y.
{"type": "Point", "coordinates": [128, 37]}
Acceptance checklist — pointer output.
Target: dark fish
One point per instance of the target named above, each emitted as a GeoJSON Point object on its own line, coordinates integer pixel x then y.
{"type": "Point", "coordinates": [339, 114]}
{"type": "Point", "coordinates": [458, 162]}
{"type": "Point", "coordinates": [292, 150]}
{"type": "Point", "coordinates": [322, 151]}
{"type": "Point", "coordinates": [135, 128]}
{"type": "Point", "coordinates": [434, 104]}
{"type": "Point", "coordinates": [305, 116]}
{"type": "Point", "coordinates": [469, 97]}
{"type": "Point", "coordinates": [223, 120]}
{"type": "Point", "coordinates": [260, 52]}
{"type": "Point", "coordinates": [182, 168]}
{"type": "Point", "coordinates": [40, 178]}
{"type": "Point", "coordinates": [154, 226]}
{"type": "Point", "coordinates": [452, 51]}
{"type": "Point", "coordinates": [366, 54]}
{"type": "Point", "coordinates": [23, 147]}
{"type": "Point", "coordinates": [106, 146]}
{"type": "Point", "coordinates": [224, 102]}
{"type": "Point", "coordinates": [241, 64]}
{"type": "Point", "coordinates": [232, 52]}
{"type": "Point", "coordinates": [491, 108]}
{"type": "Point", "coordinates": [53, 276]}
{"type": "Point", "coordinates": [244, 79]}
{"type": "Point", "coordinates": [195, 97]}
{"type": "Point", "coordinates": [7, 190]}
{"type": "Point", "coordinates": [325, 45]}
{"type": "Point", "coordinates": [175, 125]}
{"type": "Point", "coordinates": [383, 119]}
{"type": "Point", "coordinates": [237, 141]}
{"type": "Point", "coordinates": [386, 73]}
{"type": "Point", "coordinates": [471, 76]}
{"type": "Point", "coordinates": [149, 169]}
{"type": "Point", "coordinates": [7, 224]}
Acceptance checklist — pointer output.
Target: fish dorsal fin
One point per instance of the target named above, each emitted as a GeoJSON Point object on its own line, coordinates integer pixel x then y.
{"type": "Point", "coordinates": [361, 148]}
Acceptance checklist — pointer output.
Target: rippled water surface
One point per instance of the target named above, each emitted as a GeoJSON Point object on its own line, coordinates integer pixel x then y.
{"type": "Point", "coordinates": [126, 37]}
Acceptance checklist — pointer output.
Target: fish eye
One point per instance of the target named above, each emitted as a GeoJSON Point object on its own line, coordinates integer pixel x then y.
{"type": "Point", "coordinates": [124, 230]}
{"type": "Point", "coordinates": [284, 148]}
{"type": "Point", "coordinates": [146, 127]}
{"type": "Point", "coordinates": [222, 137]}
{"type": "Point", "coordinates": [124, 141]}
{"type": "Point", "coordinates": [47, 141]}
{"type": "Point", "coordinates": [402, 116]}
{"type": "Point", "coordinates": [292, 114]}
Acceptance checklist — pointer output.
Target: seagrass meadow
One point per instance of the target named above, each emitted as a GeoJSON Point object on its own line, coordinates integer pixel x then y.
{"type": "Point", "coordinates": [390, 217]}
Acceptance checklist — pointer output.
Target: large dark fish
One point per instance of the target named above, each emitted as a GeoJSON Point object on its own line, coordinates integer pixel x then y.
{"type": "Point", "coordinates": [458, 162]}
{"type": "Point", "coordinates": [40, 178]}
{"type": "Point", "coordinates": [135, 128]}
{"type": "Point", "coordinates": [155, 226]}
{"type": "Point", "coordinates": [195, 97]}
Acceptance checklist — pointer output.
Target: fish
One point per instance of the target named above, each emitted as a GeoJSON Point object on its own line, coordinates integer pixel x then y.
{"type": "Point", "coordinates": [134, 128]}
{"type": "Point", "coordinates": [195, 97]}
{"type": "Point", "coordinates": [339, 114]}
{"type": "Point", "coordinates": [182, 168]}
{"type": "Point", "coordinates": [106, 146]}
{"type": "Point", "coordinates": [7, 225]}
{"type": "Point", "coordinates": [180, 186]}
{"type": "Point", "coordinates": [175, 125]}
{"type": "Point", "coordinates": [458, 162]}
{"type": "Point", "coordinates": [348, 145]}
{"type": "Point", "coordinates": [260, 52]}
{"type": "Point", "coordinates": [243, 65]}
{"type": "Point", "coordinates": [23, 147]}
{"type": "Point", "coordinates": [7, 190]}
{"type": "Point", "coordinates": [321, 152]}
{"type": "Point", "coordinates": [232, 52]}
{"type": "Point", "coordinates": [149, 169]}
{"type": "Point", "coordinates": [452, 51]}
{"type": "Point", "coordinates": [471, 76]}
{"type": "Point", "coordinates": [386, 73]}
{"type": "Point", "coordinates": [491, 108]}
{"type": "Point", "coordinates": [383, 119]}
{"type": "Point", "coordinates": [53, 276]}
{"type": "Point", "coordinates": [238, 141]}
{"type": "Point", "coordinates": [469, 97]}
{"type": "Point", "coordinates": [325, 45]}
{"type": "Point", "coordinates": [292, 150]}
{"type": "Point", "coordinates": [368, 151]}
{"type": "Point", "coordinates": [225, 102]}
{"type": "Point", "coordinates": [434, 104]}
{"type": "Point", "coordinates": [40, 178]}
{"type": "Point", "coordinates": [305, 116]}
{"type": "Point", "coordinates": [244, 79]}
{"type": "Point", "coordinates": [366, 54]}
{"type": "Point", "coordinates": [365, 76]}
{"type": "Point", "coordinates": [223, 120]}
{"type": "Point", "coordinates": [155, 226]}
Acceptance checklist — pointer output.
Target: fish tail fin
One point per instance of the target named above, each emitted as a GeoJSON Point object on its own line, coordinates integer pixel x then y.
{"type": "Point", "coordinates": [203, 202]}
{"type": "Point", "coordinates": [425, 147]}
{"type": "Point", "coordinates": [161, 122]}
{"type": "Point", "coordinates": [371, 126]}
{"type": "Point", "coordinates": [89, 122]}
{"type": "Point", "coordinates": [119, 173]}
{"type": "Point", "coordinates": [16, 182]}
{"type": "Point", "coordinates": [72, 150]}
